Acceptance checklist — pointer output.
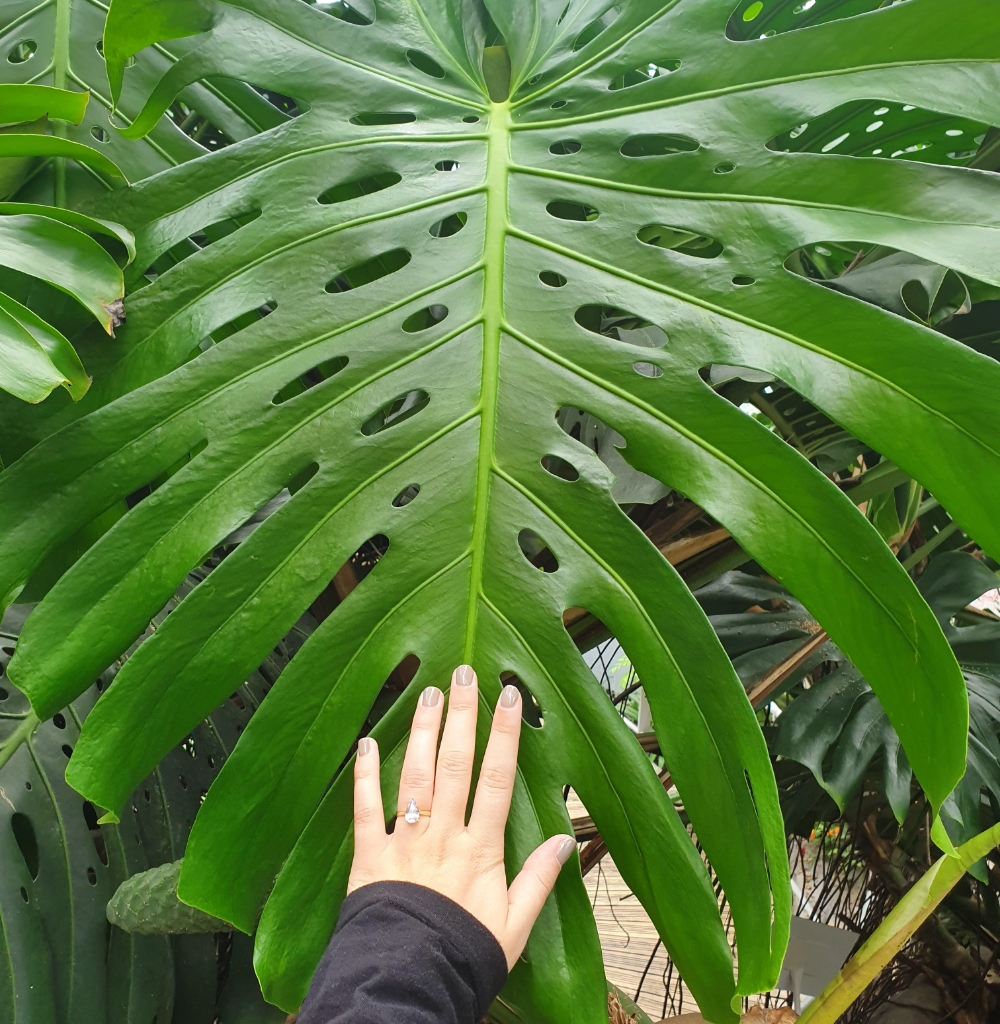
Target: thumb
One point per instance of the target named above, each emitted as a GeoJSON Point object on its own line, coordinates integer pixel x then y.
{"type": "Point", "coordinates": [527, 893]}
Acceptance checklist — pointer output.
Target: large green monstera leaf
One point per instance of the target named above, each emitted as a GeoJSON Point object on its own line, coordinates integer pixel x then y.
{"type": "Point", "coordinates": [489, 213]}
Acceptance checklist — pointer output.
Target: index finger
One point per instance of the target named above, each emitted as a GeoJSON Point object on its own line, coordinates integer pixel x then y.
{"type": "Point", "coordinates": [496, 777]}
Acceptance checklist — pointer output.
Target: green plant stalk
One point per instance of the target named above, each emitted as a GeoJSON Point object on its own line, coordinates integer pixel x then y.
{"type": "Point", "coordinates": [933, 543]}
{"type": "Point", "coordinates": [896, 930]}
{"type": "Point", "coordinates": [13, 742]}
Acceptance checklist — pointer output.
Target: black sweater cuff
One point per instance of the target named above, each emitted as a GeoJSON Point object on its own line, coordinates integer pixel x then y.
{"type": "Point", "coordinates": [405, 954]}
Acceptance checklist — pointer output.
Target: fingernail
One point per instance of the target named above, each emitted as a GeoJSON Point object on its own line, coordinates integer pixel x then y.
{"type": "Point", "coordinates": [464, 676]}
{"type": "Point", "coordinates": [565, 849]}
{"type": "Point", "coordinates": [510, 696]}
{"type": "Point", "coordinates": [364, 746]}
{"type": "Point", "coordinates": [430, 697]}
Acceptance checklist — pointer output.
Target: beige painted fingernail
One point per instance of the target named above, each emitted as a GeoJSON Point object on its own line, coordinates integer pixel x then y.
{"type": "Point", "coordinates": [464, 676]}
{"type": "Point", "coordinates": [430, 697]}
{"type": "Point", "coordinates": [510, 696]}
{"type": "Point", "coordinates": [565, 849]}
{"type": "Point", "coordinates": [364, 746]}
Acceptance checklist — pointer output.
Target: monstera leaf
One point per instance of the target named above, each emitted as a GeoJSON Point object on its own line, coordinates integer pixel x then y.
{"type": "Point", "coordinates": [468, 231]}
{"type": "Point", "coordinates": [52, 245]}
{"type": "Point", "coordinates": [838, 726]}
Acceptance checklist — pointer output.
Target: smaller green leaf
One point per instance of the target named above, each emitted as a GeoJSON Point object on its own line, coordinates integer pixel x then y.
{"type": "Point", "coordinates": [147, 904]}
{"type": "Point", "coordinates": [132, 25]}
{"type": "Point", "coordinates": [35, 357]}
{"type": "Point", "coordinates": [20, 103]}
{"type": "Point", "coordinates": [50, 145]}
{"type": "Point", "coordinates": [67, 258]}
{"type": "Point", "coordinates": [77, 220]}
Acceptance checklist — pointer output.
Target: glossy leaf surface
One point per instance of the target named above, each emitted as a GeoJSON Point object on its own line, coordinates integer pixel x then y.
{"type": "Point", "coordinates": [395, 195]}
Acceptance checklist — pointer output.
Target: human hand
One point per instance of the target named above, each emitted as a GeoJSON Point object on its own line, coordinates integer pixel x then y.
{"type": "Point", "coordinates": [439, 851]}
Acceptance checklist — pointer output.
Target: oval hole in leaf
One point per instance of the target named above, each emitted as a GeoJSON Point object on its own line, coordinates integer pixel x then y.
{"type": "Point", "coordinates": [536, 551]}
{"type": "Point", "coordinates": [621, 325]}
{"type": "Point", "coordinates": [313, 376]}
{"type": "Point", "coordinates": [647, 369]}
{"type": "Point", "coordinates": [423, 63]}
{"type": "Point", "coordinates": [394, 412]}
{"type": "Point", "coordinates": [552, 279]}
{"type": "Point", "coordinates": [366, 272]}
{"type": "Point", "coordinates": [100, 134]}
{"type": "Point", "coordinates": [680, 240]}
{"type": "Point", "coordinates": [92, 876]}
{"type": "Point", "coordinates": [565, 147]}
{"type": "Point", "coordinates": [376, 117]}
{"type": "Point", "coordinates": [531, 712]}
{"type": "Point", "coordinates": [360, 187]}
{"type": "Point", "coordinates": [447, 165]}
{"type": "Point", "coordinates": [352, 14]}
{"type": "Point", "coordinates": [560, 468]}
{"type": "Point", "coordinates": [725, 168]}
{"type": "Point", "coordinates": [644, 73]}
{"type": "Point", "coordinates": [406, 495]}
{"type": "Point", "coordinates": [90, 817]}
{"type": "Point", "coordinates": [27, 841]}
{"type": "Point", "coordinates": [565, 209]}
{"type": "Point", "coordinates": [23, 51]}
{"type": "Point", "coordinates": [657, 145]}
{"type": "Point", "coordinates": [470, 118]}
{"type": "Point", "coordinates": [424, 318]}
{"type": "Point", "coordinates": [742, 280]}
{"type": "Point", "coordinates": [557, 104]}
{"type": "Point", "coordinates": [450, 225]}
{"type": "Point", "coordinates": [59, 721]}
{"type": "Point", "coordinates": [596, 27]}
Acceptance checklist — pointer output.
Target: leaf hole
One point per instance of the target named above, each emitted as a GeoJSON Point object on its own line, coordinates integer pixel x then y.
{"type": "Point", "coordinates": [565, 147]}
{"type": "Point", "coordinates": [725, 168]}
{"type": "Point", "coordinates": [27, 841]}
{"type": "Point", "coordinates": [101, 134]}
{"type": "Point", "coordinates": [378, 117]}
{"type": "Point", "coordinates": [447, 165]}
{"type": "Point", "coordinates": [560, 468]}
{"type": "Point", "coordinates": [531, 712]}
{"type": "Point", "coordinates": [406, 495]}
{"type": "Point", "coordinates": [3, 694]}
{"type": "Point", "coordinates": [96, 832]}
{"type": "Point", "coordinates": [647, 369]}
{"type": "Point", "coordinates": [189, 748]}
{"type": "Point", "coordinates": [24, 894]}
{"type": "Point", "coordinates": [644, 73]}
{"type": "Point", "coordinates": [313, 376]}
{"type": "Point", "coordinates": [683, 240]}
{"type": "Point", "coordinates": [556, 104]}
{"type": "Point", "coordinates": [23, 51]}
{"type": "Point", "coordinates": [357, 188]}
{"type": "Point", "coordinates": [470, 118]}
{"type": "Point", "coordinates": [565, 209]}
{"type": "Point", "coordinates": [59, 721]}
{"type": "Point", "coordinates": [425, 64]}
{"type": "Point", "coordinates": [369, 270]}
{"type": "Point", "coordinates": [741, 280]}
{"type": "Point", "coordinates": [425, 318]}
{"type": "Point", "coordinates": [621, 325]}
{"type": "Point", "coordinates": [349, 13]}
{"type": "Point", "coordinates": [395, 412]}
{"type": "Point", "coordinates": [91, 876]}
{"type": "Point", "coordinates": [638, 146]}
{"type": "Point", "coordinates": [552, 279]}
{"type": "Point", "coordinates": [536, 551]}
{"type": "Point", "coordinates": [198, 240]}
{"type": "Point", "coordinates": [450, 225]}
{"type": "Point", "coordinates": [596, 27]}
{"type": "Point", "coordinates": [67, 750]}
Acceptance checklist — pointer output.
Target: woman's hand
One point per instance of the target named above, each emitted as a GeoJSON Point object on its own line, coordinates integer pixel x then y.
{"type": "Point", "coordinates": [439, 851]}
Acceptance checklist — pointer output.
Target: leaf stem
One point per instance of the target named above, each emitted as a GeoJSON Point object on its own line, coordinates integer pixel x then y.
{"type": "Point", "coordinates": [12, 744]}
{"type": "Point", "coordinates": [497, 171]}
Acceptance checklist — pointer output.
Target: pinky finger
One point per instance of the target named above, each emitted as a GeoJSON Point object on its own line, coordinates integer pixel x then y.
{"type": "Point", "coordinates": [528, 892]}
{"type": "Point", "coordinates": [369, 818]}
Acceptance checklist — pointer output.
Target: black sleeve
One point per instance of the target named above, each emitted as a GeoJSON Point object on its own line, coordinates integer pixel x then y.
{"type": "Point", "coordinates": [403, 954]}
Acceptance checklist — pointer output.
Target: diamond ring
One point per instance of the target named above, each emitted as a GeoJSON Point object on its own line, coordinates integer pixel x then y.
{"type": "Point", "coordinates": [412, 814]}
